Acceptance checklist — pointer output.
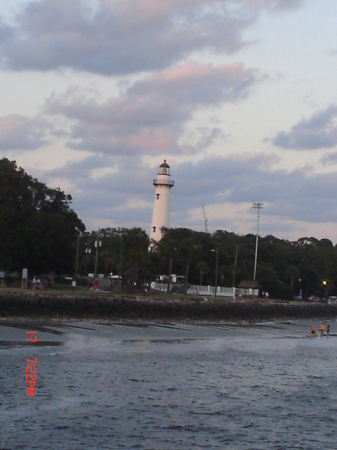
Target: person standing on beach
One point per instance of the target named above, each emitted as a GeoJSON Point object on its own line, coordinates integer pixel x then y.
{"type": "Point", "coordinates": [313, 329]}
{"type": "Point", "coordinates": [328, 330]}
{"type": "Point", "coordinates": [322, 328]}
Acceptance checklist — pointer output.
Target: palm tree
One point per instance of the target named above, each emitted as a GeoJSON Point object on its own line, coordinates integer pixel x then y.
{"type": "Point", "coordinates": [192, 248]}
{"type": "Point", "coordinates": [203, 268]}
{"type": "Point", "coordinates": [136, 246]}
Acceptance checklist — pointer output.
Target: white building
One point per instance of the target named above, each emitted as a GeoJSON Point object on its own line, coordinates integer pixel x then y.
{"type": "Point", "coordinates": [161, 207]}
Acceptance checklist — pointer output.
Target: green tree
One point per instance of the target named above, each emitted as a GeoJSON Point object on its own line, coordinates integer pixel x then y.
{"type": "Point", "coordinates": [38, 228]}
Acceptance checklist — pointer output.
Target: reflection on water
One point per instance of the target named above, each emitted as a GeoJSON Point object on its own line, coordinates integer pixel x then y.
{"type": "Point", "coordinates": [169, 386]}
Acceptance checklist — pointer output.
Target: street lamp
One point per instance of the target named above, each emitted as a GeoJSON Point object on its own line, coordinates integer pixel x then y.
{"type": "Point", "coordinates": [257, 206]}
{"type": "Point", "coordinates": [325, 289]}
{"type": "Point", "coordinates": [88, 252]}
{"type": "Point", "coordinates": [216, 270]}
{"type": "Point", "coordinates": [121, 235]}
{"type": "Point", "coordinates": [98, 243]}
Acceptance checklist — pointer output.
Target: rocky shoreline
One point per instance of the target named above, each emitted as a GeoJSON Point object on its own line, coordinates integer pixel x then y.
{"type": "Point", "coordinates": [94, 306]}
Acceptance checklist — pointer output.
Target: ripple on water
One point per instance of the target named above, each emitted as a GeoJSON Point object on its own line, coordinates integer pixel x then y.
{"type": "Point", "coordinates": [153, 388]}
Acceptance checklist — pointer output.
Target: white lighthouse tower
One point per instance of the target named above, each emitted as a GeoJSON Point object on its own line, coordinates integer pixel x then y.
{"type": "Point", "coordinates": [161, 208]}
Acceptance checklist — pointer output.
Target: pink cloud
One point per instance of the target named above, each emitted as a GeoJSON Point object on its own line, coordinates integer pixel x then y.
{"type": "Point", "coordinates": [118, 37]}
{"type": "Point", "coordinates": [20, 132]}
{"type": "Point", "coordinates": [8, 123]}
{"type": "Point", "coordinates": [152, 113]}
{"type": "Point", "coordinates": [192, 70]}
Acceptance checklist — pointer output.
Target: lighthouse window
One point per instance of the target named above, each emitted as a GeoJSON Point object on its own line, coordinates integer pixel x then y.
{"type": "Point", "coordinates": [164, 171]}
{"type": "Point", "coordinates": [154, 229]}
{"type": "Point", "coordinates": [157, 196]}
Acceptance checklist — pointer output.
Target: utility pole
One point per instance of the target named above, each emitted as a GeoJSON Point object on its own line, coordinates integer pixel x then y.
{"type": "Point", "coordinates": [77, 254]}
{"type": "Point", "coordinates": [235, 261]}
{"type": "Point", "coordinates": [121, 235]}
{"type": "Point", "coordinates": [216, 270]}
{"type": "Point", "coordinates": [205, 219]}
{"type": "Point", "coordinates": [257, 206]}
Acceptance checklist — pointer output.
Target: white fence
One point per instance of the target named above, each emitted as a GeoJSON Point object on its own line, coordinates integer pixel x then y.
{"type": "Point", "coordinates": [229, 292]}
{"type": "Point", "coordinates": [196, 290]}
{"type": "Point", "coordinates": [210, 290]}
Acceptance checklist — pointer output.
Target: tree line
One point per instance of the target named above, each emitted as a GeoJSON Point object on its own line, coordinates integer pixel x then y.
{"type": "Point", "coordinates": [39, 230]}
{"type": "Point", "coordinates": [284, 268]}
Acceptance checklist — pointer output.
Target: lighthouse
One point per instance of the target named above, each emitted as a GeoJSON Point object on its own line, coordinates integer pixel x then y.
{"type": "Point", "coordinates": [161, 207]}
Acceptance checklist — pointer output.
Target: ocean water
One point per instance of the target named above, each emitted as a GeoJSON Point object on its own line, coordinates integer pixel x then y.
{"type": "Point", "coordinates": [104, 385]}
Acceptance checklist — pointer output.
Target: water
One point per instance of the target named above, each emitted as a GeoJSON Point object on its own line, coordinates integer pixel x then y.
{"type": "Point", "coordinates": [175, 386]}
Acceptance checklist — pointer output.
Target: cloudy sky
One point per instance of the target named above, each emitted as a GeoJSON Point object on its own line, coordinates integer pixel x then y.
{"type": "Point", "coordinates": [239, 96]}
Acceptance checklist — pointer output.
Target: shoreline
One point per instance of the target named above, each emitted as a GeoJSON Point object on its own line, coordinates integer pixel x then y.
{"type": "Point", "coordinates": [81, 306]}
